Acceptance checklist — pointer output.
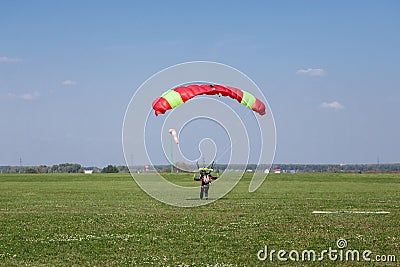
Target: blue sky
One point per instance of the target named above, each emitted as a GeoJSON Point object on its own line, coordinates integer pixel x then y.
{"type": "Point", "coordinates": [329, 69]}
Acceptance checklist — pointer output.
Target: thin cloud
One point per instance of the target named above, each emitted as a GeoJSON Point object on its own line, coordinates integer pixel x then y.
{"type": "Point", "coordinates": [9, 60]}
{"type": "Point", "coordinates": [311, 72]}
{"type": "Point", "coordinates": [332, 105]}
{"type": "Point", "coordinates": [26, 96]}
{"type": "Point", "coordinates": [68, 82]}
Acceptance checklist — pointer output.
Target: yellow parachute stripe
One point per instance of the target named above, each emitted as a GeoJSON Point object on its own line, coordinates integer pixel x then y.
{"type": "Point", "coordinates": [248, 99]}
{"type": "Point", "coordinates": [174, 98]}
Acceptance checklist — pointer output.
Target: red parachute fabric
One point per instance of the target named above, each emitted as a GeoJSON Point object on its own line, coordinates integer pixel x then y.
{"type": "Point", "coordinates": [161, 105]}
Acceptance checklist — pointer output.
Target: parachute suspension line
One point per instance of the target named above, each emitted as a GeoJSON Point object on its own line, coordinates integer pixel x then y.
{"type": "Point", "coordinates": [235, 142]}
{"type": "Point", "coordinates": [172, 157]}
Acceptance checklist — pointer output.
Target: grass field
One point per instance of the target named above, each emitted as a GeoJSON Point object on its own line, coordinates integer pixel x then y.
{"type": "Point", "coordinates": [103, 220]}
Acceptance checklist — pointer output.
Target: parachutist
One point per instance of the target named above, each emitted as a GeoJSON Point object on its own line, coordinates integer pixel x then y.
{"type": "Point", "coordinates": [205, 178]}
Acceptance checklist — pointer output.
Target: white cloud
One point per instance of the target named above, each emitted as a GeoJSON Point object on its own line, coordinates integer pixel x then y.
{"type": "Point", "coordinates": [9, 60]}
{"type": "Point", "coordinates": [332, 105]}
{"type": "Point", "coordinates": [68, 82]}
{"type": "Point", "coordinates": [311, 72]}
{"type": "Point", "coordinates": [26, 96]}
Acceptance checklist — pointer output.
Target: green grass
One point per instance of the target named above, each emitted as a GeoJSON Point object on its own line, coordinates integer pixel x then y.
{"type": "Point", "coordinates": [105, 219]}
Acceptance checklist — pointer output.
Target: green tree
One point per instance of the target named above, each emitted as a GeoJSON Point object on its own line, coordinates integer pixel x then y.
{"type": "Point", "coordinates": [31, 170]}
{"type": "Point", "coordinates": [110, 169]}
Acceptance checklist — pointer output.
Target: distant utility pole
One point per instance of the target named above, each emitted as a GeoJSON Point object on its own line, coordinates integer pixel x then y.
{"type": "Point", "coordinates": [377, 160]}
{"type": "Point", "coordinates": [20, 165]}
{"type": "Point", "coordinates": [172, 157]}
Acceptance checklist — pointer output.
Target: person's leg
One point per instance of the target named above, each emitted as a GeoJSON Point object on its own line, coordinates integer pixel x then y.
{"type": "Point", "coordinates": [206, 187]}
{"type": "Point", "coordinates": [201, 192]}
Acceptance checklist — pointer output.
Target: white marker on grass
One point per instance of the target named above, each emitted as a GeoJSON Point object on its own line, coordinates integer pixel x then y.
{"type": "Point", "coordinates": [350, 211]}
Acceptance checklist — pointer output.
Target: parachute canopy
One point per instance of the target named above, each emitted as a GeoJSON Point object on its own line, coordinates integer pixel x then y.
{"type": "Point", "coordinates": [179, 95]}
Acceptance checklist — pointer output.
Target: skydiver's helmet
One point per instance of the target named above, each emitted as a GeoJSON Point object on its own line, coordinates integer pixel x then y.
{"type": "Point", "coordinates": [205, 171]}
{"type": "Point", "coordinates": [202, 172]}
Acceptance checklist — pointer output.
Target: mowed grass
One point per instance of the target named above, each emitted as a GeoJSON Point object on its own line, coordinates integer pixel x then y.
{"type": "Point", "coordinates": [105, 219]}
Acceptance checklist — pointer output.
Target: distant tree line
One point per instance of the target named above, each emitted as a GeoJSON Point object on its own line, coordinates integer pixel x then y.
{"type": "Point", "coordinates": [62, 168]}
{"type": "Point", "coordinates": [361, 168]}
{"type": "Point", "coordinates": [303, 168]}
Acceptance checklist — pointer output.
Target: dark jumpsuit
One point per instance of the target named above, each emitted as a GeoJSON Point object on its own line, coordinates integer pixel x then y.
{"type": "Point", "coordinates": [205, 184]}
